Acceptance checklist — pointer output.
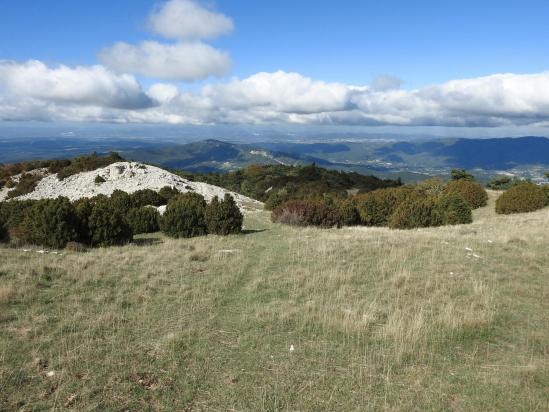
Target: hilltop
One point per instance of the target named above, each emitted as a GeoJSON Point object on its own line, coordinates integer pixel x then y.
{"type": "Point", "coordinates": [126, 176]}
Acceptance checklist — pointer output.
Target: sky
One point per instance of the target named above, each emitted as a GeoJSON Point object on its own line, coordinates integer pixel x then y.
{"type": "Point", "coordinates": [394, 63]}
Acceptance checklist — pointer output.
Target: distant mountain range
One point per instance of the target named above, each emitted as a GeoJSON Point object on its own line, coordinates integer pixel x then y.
{"type": "Point", "coordinates": [412, 160]}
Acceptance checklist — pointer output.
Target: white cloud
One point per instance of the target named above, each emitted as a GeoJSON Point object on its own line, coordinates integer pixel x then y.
{"type": "Point", "coordinates": [93, 85]}
{"type": "Point", "coordinates": [187, 60]}
{"type": "Point", "coordinates": [33, 91]}
{"type": "Point", "coordinates": [186, 19]}
{"type": "Point", "coordinates": [182, 61]}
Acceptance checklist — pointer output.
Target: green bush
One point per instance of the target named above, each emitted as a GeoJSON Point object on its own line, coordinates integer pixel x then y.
{"type": "Point", "coordinates": [167, 192]}
{"type": "Point", "coordinates": [223, 217]}
{"type": "Point", "coordinates": [105, 225]}
{"type": "Point", "coordinates": [348, 211]}
{"type": "Point", "coordinates": [375, 208]}
{"type": "Point", "coordinates": [51, 223]}
{"type": "Point", "coordinates": [121, 201]}
{"type": "Point", "coordinates": [503, 183]}
{"type": "Point", "coordinates": [66, 168]}
{"type": "Point", "coordinates": [416, 212]}
{"type": "Point", "coordinates": [454, 209]}
{"type": "Point", "coordinates": [184, 216]}
{"type": "Point", "coordinates": [473, 193]}
{"type": "Point", "coordinates": [522, 198]}
{"type": "Point", "coordinates": [307, 213]}
{"type": "Point", "coordinates": [546, 191]}
{"type": "Point", "coordinates": [461, 174]}
{"type": "Point", "coordinates": [146, 197]}
{"type": "Point", "coordinates": [143, 219]}
{"type": "Point", "coordinates": [99, 179]}
{"type": "Point", "coordinates": [3, 231]}
{"type": "Point", "coordinates": [13, 213]}
{"type": "Point", "coordinates": [27, 183]}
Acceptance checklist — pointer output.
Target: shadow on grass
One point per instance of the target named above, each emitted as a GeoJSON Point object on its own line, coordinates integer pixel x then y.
{"type": "Point", "coordinates": [147, 241]}
{"type": "Point", "coordinates": [251, 231]}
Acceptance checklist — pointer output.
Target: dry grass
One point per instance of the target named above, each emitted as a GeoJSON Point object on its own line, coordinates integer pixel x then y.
{"type": "Point", "coordinates": [452, 318]}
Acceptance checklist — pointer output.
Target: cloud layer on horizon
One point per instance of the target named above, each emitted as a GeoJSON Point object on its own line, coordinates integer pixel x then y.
{"type": "Point", "coordinates": [110, 92]}
{"type": "Point", "coordinates": [34, 91]}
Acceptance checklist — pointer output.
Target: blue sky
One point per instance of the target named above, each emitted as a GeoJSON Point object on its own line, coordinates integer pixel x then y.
{"type": "Point", "coordinates": [421, 43]}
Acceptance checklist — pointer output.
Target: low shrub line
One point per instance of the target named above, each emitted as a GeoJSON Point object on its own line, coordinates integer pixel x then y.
{"type": "Point", "coordinates": [114, 220]}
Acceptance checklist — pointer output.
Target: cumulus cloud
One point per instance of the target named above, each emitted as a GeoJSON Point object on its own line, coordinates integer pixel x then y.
{"type": "Point", "coordinates": [186, 19]}
{"type": "Point", "coordinates": [182, 61]}
{"type": "Point", "coordinates": [188, 59]}
{"type": "Point", "coordinates": [92, 86]}
{"type": "Point", "coordinates": [33, 91]}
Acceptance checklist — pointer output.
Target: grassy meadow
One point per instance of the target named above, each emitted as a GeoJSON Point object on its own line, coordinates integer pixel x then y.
{"type": "Point", "coordinates": [451, 318]}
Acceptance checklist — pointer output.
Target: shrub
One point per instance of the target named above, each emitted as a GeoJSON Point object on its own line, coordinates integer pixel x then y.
{"type": "Point", "coordinates": [51, 223]}
{"type": "Point", "coordinates": [348, 211]}
{"type": "Point", "coordinates": [121, 201]}
{"type": "Point", "coordinates": [66, 168]}
{"type": "Point", "coordinates": [184, 216]}
{"type": "Point", "coordinates": [461, 174]}
{"type": "Point", "coordinates": [307, 213]}
{"type": "Point", "coordinates": [416, 212]}
{"type": "Point", "coordinates": [3, 231]}
{"type": "Point", "coordinates": [502, 183]}
{"type": "Point", "coordinates": [375, 208]}
{"type": "Point", "coordinates": [223, 217]}
{"type": "Point", "coordinates": [167, 192]}
{"type": "Point", "coordinates": [76, 247]}
{"type": "Point", "coordinates": [433, 186]}
{"type": "Point", "coordinates": [545, 189]}
{"type": "Point", "coordinates": [454, 209]}
{"type": "Point", "coordinates": [27, 183]}
{"type": "Point", "coordinates": [143, 220]}
{"type": "Point", "coordinates": [106, 225]}
{"type": "Point", "coordinates": [146, 197]}
{"type": "Point", "coordinates": [99, 179]}
{"type": "Point", "coordinates": [473, 193]}
{"type": "Point", "coordinates": [13, 213]}
{"type": "Point", "coordinates": [522, 198]}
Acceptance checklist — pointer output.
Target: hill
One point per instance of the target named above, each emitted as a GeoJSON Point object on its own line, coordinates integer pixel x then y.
{"type": "Point", "coordinates": [212, 155]}
{"type": "Point", "coordinates": [451, 318]}
{"type": "Point", "coordinates": [120, 175]}
{"type": "Point", "coordinates": [264, 182]}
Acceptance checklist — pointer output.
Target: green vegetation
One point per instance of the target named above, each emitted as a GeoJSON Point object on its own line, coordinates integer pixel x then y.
{"type": "Point", "coordinates": [105, 225]}
{"type": "Point", "coordinates": [223, 217]}
{"type": "Point", "coordinates": [308, 212]}
{"type": "Point", "coordinates": [416, 212]}
{"type": "Point", "coordinates": [473, 193]}
{"type": "Point", "coordinates": [66, 168]}
{"type": "Point", "coordinates": [503, 183]}
{"type": "Point", "coordinates": [275, 184]}
{"type": "Point", "coordinates": [26, 184]}
{"type": "Point", "coordinates": [461, 174]}
{"type": "Point", "coordinates": [167, 193]}
{"type": "Point", "coordinates": [375, 208]}
{"type": "Point", "coordinates": [144, 219]}
{"type": "Point", "coordinates": [525, 197]}
{"type": "Point", "coordinates": [99, 179]}
{"type": "Point", "coordinates": [184, 216]}
{"type": "Point", "coordinates": [454, 210]}
{"type": "Point", "coordinates": [379, 320]}
{"type": "Point", "coordinates": [51, 223]}
{"type": "Point", "coordinates": [63, 168]}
